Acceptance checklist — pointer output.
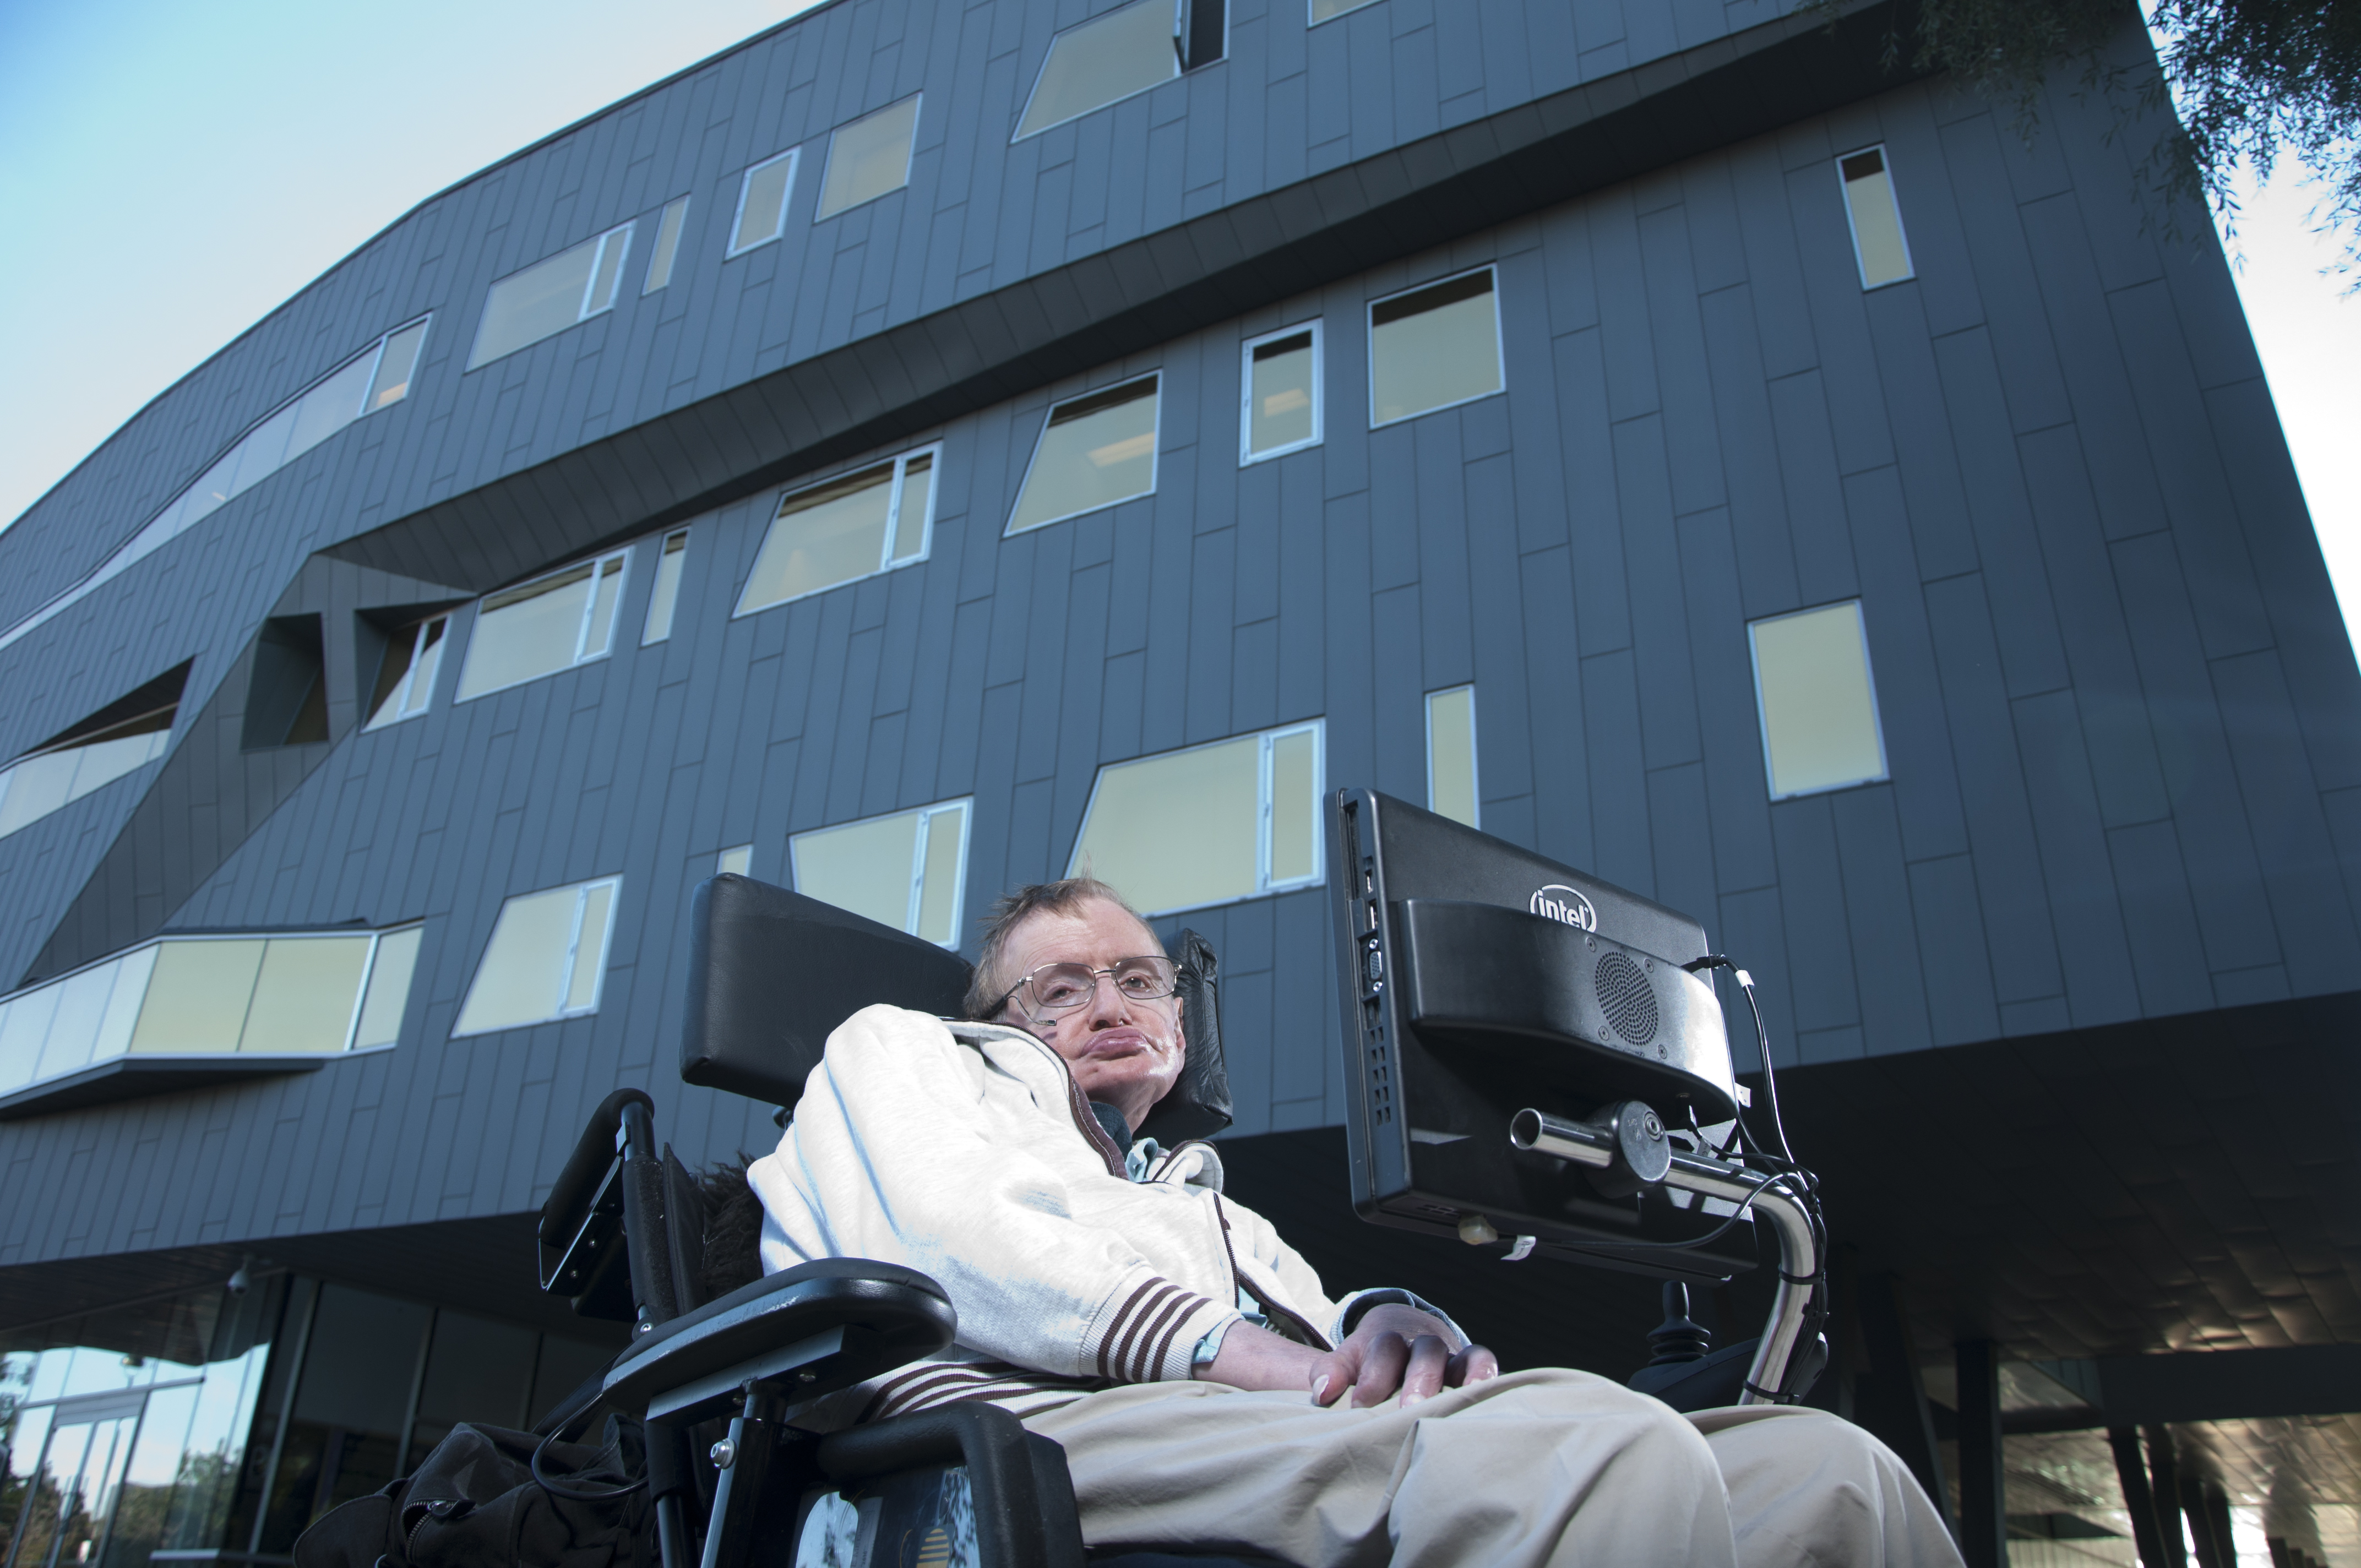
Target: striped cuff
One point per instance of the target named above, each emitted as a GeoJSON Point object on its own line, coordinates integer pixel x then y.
{"type": "Point", "coordinates": [1149, 1330]}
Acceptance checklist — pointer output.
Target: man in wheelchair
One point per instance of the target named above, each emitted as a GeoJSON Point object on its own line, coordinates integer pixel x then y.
{"type": "Point", "coordinates": [1208, 1393]}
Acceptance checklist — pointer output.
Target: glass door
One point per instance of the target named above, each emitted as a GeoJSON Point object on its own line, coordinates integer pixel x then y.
{"type": "Point", "coordinates": [76, 1481]}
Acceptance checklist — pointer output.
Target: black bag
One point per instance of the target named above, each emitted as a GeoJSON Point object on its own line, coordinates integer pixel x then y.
{"type": "Point", "coordinates": [475, 1504]}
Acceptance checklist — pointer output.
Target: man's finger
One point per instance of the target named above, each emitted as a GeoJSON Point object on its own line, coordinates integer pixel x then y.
{"type": "Point", "coordinates": [1474, 1364]}
{"type": "Point", "coordinates": [1383, 1360]}
{"type": "Point", "coordinates": [1429, 1359]}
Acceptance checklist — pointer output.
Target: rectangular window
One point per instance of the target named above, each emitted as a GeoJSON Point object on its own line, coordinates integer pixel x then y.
{"type": "Point", "coordinates": [547, 958]}
{"type": "Point", "coordinates": [405, 678]}
{"type": "Point", "coordinates": [395, 360]}
{"type": "Point", "coordinates": [1102, 61]}
{"type": "Point", "coordinates": [1321, 10]}
{"type": "Point", "coordinates": [1451, 755]}
{"type": "Point", "coordinates": [665, 595]}
{"type": "Point", "coordinates": [852, 527]}
{"type": "Point", "coordinates": [738, 861]}
{"type": "Point", "coordinates": [1817, 700]}
{"type": "Point", "coordinates": [549, 296]}
{"type": "Point", "coordinates": [53, 778]}
{"type": "Point", "coordinates": [907, 871]}
{"type": "Point", "coordinates": [667, 245]}
{"type": "Point", "coordinates": [1433, 347]}
{"type": "Point", "coordinates": [1279, 405]}
{"type": "Point", "coordinates": [539, 628]}
{"type": "Point", "coordinates": [762, 202]}
{"type": "Point", "coordinates": [868, 157]}
{"type": "Point", "coordinates": [1875, 217]}
{"type": "Point", "coordinates": [1210, 824]}
{"type": "Point", "coordinates": [1094, 451]}
{"type": "Point", "coordinates": [300, 995]}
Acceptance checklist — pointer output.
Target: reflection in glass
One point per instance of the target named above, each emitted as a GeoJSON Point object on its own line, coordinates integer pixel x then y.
{"type": "Point", "coordinates": [543, 627]}
{"type": "Point", "coordinates": [762, 202]}
{"type": "Point", "coordinates": [1323, 9]}
{"type": "Point", "coordinates": [1816, 701]}
{"type": "Point", "coordinates": [665, 595]}
{"type": "Point", "coordinates": [738, 860]}
{"type": "Point", "coordinates": [1433, 347]}
{"type": "Point", "coordinates": [1876, 218]}
{"type": "Point", "coordinates": [33, 787]}
{"type": "Point", "coordinates": [1295, 807]}
{"type": "Point", "coordinates": [1094, 451]}
{"type": "Point", "coordinates": [1106, 58]}
{"type": "Point", "coordinates": [1176, 832]}
{"type": "Point", "coordinates": [906, 870]}
{"type": "Point", "coordinates": [1451, 754]}
{"type": "Point", "coordinates": [547, 952]}
{"type": "Point", "coordinates": [198, 996]}
{"type": "Point", "coordinates": [391, 382]}
{"type": "Point", "coordinates": [1282, 394]}
{"type": "Point", "coordinates": [549, 296]}
{"type": "Point", "coordinates": [850, 527]}
{"type": "Point", "coordinates": [868, 157]}
{"type": "Point", "coordinates": [304, 996]}
{"type": "Point", "coordinates": [405, 676]}
{"type": "Point", "coordinates": [389, 989]}
{"type": "Point", "coordinates": [667, 246]}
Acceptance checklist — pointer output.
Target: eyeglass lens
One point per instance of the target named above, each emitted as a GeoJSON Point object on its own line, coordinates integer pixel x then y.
{"type": "Point", "coordinates": [1060, 987]}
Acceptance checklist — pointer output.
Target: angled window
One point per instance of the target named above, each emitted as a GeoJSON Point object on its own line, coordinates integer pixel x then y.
{"type": "Point", "coordinates": [1817, 701]}
{"type": "Point", "coordinates": [405, 675]}
{"type": "Point", "coordinates": [1433, 348]}
{"type": "Point", "coordinates": [163, 1003]}
{"type": "Point", "coordinates": [739, 860]}
{"type": "Point", "coordinates": [868, 157]}
{"type": "Point", "coordinates": [1094, 451]}
{"type": "Point", "coordinates": [539, 628]}
{"type": "Point", "coordinates": [1102, 62]}
{"type": "Point", "coordinates": [1451, 755]}
{"type": "Point", "coordinates": [762, 202]}
{"type": "Point", "coordinates": [1210, 824]}
{"type": "Point", "coordinates": [389, 380]}
{"type": "Point", "coordinates": [907, 871]}
{"type": "Point", "coordinates": [1321, 10]}
{"type": "Point", "coordinates": [121, 738]}
{"type": "Point", "coordinates": [1875, 217]}
{"type": "Point", "coordinates": [287, 685]}
{"type": "Point", "coordinates": [549, 296]}
{"type": "Point", "coordinates": [665, 595]}
{"type": "Point", "coordinates": [855, 526]}
{"type": "Point", "coordinates": [547, 958]}
{"type": "Point", "coordinates": [1279, 403]}
{"type": "Point", "coordinates": [667, 245]}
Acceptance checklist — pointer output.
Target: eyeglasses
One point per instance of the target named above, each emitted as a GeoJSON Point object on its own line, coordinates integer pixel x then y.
{"type": "Point", "coordinates": [1061, 988]}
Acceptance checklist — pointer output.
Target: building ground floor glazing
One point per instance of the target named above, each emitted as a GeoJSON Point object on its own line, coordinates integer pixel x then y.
{"type": "Point", "coordinates": [215, 1426]}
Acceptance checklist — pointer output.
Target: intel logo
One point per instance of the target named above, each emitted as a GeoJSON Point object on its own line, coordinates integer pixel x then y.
{"type": "Point", "coordinates": [1561, 903]}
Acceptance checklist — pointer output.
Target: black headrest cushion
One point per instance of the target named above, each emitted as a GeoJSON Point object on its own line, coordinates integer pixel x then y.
{"type": "Point", "coordinates": [772, 973]}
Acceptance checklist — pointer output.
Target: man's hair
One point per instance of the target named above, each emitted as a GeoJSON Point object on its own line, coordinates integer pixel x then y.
{"type": "Point", "coordinates": [1061, 898]}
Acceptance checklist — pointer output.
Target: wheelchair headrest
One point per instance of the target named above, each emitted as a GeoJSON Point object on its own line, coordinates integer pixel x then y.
{"type": "Point", "coordinates": [772, 972]}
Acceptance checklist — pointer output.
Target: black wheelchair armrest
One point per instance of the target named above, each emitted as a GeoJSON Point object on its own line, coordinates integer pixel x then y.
{"type": "Point", "coordinates": [812, 1329]}
{"type": "Point", "coordinates": [1024, 1497]}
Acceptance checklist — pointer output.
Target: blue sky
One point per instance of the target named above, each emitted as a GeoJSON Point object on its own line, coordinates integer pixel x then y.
{"type": "Point", "coordinates": [176, 171]}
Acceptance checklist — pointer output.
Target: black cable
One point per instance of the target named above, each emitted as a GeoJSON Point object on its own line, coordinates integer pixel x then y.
{"type": "Point", "coordinates": [1770, 1073]}
{"type": "Point", "coordinates": [604, 1495]}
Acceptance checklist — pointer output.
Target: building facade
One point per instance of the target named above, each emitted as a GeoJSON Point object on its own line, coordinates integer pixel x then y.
{"type": "Point", "coordinates": [928, 448]}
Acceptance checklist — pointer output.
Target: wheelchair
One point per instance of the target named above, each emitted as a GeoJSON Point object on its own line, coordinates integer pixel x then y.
{"type": "Point", "coordinates": [717, 1383]}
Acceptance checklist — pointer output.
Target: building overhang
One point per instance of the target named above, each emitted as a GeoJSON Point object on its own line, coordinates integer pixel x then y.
{"type": "Point", "coordinates": [133, 1077]}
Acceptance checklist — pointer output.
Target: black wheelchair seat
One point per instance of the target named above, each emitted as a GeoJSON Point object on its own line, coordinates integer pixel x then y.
{"type": "Point", "coordinates": [821, 1326]}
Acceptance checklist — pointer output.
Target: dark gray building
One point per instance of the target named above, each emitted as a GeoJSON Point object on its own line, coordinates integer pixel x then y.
{"type": "Point", "coordinates": [929, 447]}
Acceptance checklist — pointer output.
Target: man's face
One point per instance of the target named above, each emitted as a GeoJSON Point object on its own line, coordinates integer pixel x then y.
{"type": "Point", "coordinates": [1124, 1052]}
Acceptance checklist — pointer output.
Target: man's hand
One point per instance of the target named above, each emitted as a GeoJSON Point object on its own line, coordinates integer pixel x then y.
{"type": "Point", "coordinates": [1394, 1350]}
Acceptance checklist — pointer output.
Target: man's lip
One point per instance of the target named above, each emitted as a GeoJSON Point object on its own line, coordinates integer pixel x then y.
{"type": "Point", "coordinates": [1114, 1042]}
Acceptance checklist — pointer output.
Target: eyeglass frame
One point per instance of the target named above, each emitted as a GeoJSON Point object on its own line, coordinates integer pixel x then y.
{"type": "Point", "coordinates": [1172, 988]}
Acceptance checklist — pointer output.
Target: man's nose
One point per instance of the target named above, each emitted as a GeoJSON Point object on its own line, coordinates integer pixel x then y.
{"type": "Point", "coordinates": [1107, 1001]}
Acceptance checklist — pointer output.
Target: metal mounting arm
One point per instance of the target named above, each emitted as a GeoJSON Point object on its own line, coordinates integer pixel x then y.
{"type": "Point", "coordinates": [1630, 1140]}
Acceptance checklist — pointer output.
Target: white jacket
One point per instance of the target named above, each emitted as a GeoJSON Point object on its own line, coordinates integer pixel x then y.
{"type": "Point", "coordinates": [967, 1152]}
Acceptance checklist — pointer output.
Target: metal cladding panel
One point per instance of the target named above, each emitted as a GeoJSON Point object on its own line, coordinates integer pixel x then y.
{"type": "Point", "coordinates": [2119, 723]}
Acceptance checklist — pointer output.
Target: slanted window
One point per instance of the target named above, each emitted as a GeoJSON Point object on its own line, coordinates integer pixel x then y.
{"type": "Point", "coordinates": [1875, 218]}
{"type": "Point", "coordinates": [547, 958]}
{"type": "Point", "coordinates": [405, 676]}
{"type": "Point", "coordinates": [121, 738]}
{"type": "Point", "coordinates": [1817, 700]}
{"type": "Point", "coordinates": [762, 202]}
{"type": "Point", "coordinates": [855, 526]}
{"type": "Point", "coordinates": [907, 871]}
{"type": "Point", "coordinates": [1451, 755]}
{"type": "Point", "coordinates": [1279, 405]}
{"type": "Point", "coordinates": [539, 628]}
{"type": "Point", "coordinates": [1209, 825]}
{"type": "Point", "coordinates": [1433, 347]}
{"type": "Point", "coordinates": [304, 994]}
{"type": "Point", "coordinates": [667, 245]}
{"type": "Point", "coordinates": [549, 296]}
{"type": "Point", "coordinates": [1321, 10]}
{"type": "Point", "coordinates": [737, 860]}
{"type": "Point", "coordinates": [1103, 60]}
{"type": "Point", "coordinates": [1094, 451]}
{"type": "Point", "coordinates": [665, 595]}
{"type": "Point", "coordinates": [868, 157]}
{"type": "Point", "coordinates": [287, 685]}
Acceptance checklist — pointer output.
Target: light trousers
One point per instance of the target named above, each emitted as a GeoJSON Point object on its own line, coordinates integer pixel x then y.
{"type": "Point", "coordinates": [1540, 1468]}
